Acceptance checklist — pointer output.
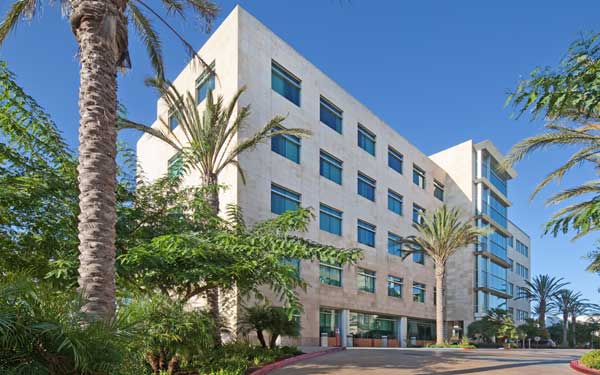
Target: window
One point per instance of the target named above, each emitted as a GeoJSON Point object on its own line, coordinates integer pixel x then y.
{"type": "Point", "coordinates": [285, 83]}
{"type": "Point", "coordinates": [512, 264]}
{"type": "Point", "coordinates": [418, 214]}
{"type": "Point", "coordinates": [522, 292]}
{"type": "Point", "coordinates": [395, 160]}
{"type": "Point", "coordinates": [330, 167]}
{"type": "Point", "coordinates": [366, 233]}
{"type": "Point", "coordinates": [418, 292]}
{"type": "Point", "coordinates": [394, 202]}
{"type": "Point", "coordinates": [394, 244]}
{"type": "Point", "coordinates": [366, 186]}
{"type": "Point", "coordinates": [418, 258]}
{"type": "Point", "coordinates": [522, 315]}
{"type": "Point", "coordinates": [366, 280]}
{"type": "Point", "coordinates": [511, 289]}
{"type": "Point", "coordinates": [418, 177]}
{"type": "Point", "coordinates": [205, 83]}
{"type": "Point", "coordinates": [330, 219]}
{"type": "Point", "coordinates": [175, 166]}
{"type": "Point", "coordinates": [394, 286]}
{"type": "Point", "coordinates": [366, 139]}
{"type": "Point", "coordinates": [511, 241]}
{"type": "Point", "coordinates": [286, 145]}
{"type": "Point", "coordinates": [283, 200]}
{"type": "Point", "coordinates": [522, 249]}
{"type": "Point", "coordinates": [330, 274]}
{"type": "Point", "coordinates": [511, 312]}
{"type": "Point", "coordinates": [172, 121]}
{"type": "Point", "coordinates": [522, 271]}
{"type": "Point", "coordinates": [438, 190]}
{"type": "Point", "coordinates": [294, 264]}
{"type": "Point", "coordinates": [330, 115]}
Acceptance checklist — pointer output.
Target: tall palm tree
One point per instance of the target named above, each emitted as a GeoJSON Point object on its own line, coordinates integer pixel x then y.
{"type": "Point", "coordinates": [542, 289]}
{"type": "Point", "coordinates": [579, 306]}
{"type": "Point", "coordinates": [563, 302]}
{"type": "Point", "coordinates": [441, 234]}
{"type": "Point", "coordinates": [100, 28]}
{"type": "Point", "coordinates": [210, 141]}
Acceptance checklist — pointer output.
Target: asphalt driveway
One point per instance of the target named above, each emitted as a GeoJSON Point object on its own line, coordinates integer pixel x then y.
{"type": "Point", "coordinates": [424, 361]}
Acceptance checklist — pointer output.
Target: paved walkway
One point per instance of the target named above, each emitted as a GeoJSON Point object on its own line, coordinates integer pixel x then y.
{"type": "Point", "coordinates": [440, 362]}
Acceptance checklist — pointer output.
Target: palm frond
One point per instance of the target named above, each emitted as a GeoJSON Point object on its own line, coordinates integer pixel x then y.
{"type": "Point", "coordinates": [20, 9]}
{"type": "Point", "coordinates": [149, 37]}
{"type": "Point", "coordinates": [167, 137]}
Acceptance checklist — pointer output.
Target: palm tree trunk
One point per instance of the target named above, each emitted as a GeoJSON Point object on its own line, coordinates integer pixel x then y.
{"type": "Point", "coordinates": [440, 271]}
{"type": "Point", "coordinates": [565, 330]}
{"type": "Point", "coordinates": [573, 328]}
{"type": "Point", "coordinates": [211, 195]}
{"type": "Point", "coordinates": [542, 311]}
{"type": "Point", "coordinates": [95, 24]}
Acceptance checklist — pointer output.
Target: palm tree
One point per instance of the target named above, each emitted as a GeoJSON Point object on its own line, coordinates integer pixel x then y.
{"type": "Point", "coordinates": [441, 234]}
{"type": "Point", "coordinates": [582, 216]}
{"type": "Point", "coordinates": [210, 141]}
{"type": "Point", "coordinates": [542, 289]}
{"type": "Point", "coordinates": [563, 301]}
{"type": "Point", "coordinates": [579, 306]}
{"type": "Point", "coordinates": [100, 27]}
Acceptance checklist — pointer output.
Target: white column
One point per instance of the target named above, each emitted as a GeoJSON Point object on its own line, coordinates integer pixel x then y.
{"type": "Point", "coordinates": [479, 164]}
{"type": "Point", "coordinates": [402, 331]}
{"type": "Point", "coordinates": [344, 326]}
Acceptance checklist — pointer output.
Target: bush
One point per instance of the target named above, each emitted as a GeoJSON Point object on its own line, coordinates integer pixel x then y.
{"type": "Point", "coordinates": [275, 320]}
{"type": "Point", "coordinates": [591, 359]}
{"type": "Point", "coordinates": [41, 332]}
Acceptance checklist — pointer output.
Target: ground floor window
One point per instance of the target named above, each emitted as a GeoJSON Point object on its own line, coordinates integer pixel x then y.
{"type": "Point", "coordinates": [372, 326]}
{"type": "Point", "coordinates": [421, 329]}
{"type": "Point", "coordinates": [329, 321]}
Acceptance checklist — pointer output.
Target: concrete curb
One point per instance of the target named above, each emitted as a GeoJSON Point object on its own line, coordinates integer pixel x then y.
{"type": "Point", "coordinates": [289, 361]}
{"type": "Point", "coordinates": [575, 365]}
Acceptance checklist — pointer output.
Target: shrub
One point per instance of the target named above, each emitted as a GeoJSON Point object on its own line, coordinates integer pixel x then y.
{"type": "Point", "coordinates": [591, 359]}
{"type": "Point", "coordinates": [41, 332]}
{"type": "Point", "coordinates": [275, 320]}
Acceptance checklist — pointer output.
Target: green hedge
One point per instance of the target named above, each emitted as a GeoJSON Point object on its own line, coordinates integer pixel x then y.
{"type": "Point", "coordinates": [591, 359]}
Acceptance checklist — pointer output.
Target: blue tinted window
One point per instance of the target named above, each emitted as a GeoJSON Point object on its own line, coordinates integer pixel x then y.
{"type": "Point", "coordinates": [418, 213]}
{"type": "Point", "coordinates": [366, 187]}
{"type": "Point", "coordinates": [330, 220]}
{"type": "Point", "coordinates": [418, 177]}
{"type": "Point", "coordinates": [285, 84]}
{"type": "Point", "coordinates": [394, 286]}
{"type": "Point", "coordinates": [366, 139]}
{"type": "Point", "coordinates": [395, 160]}
{"type": "Point", "coordinates": [366, 233]}
{"type": "Point", "coordinates": [522, 248]}
{"type": "Point", "coordinates": [283, 200]}
{"type": "Point", "coordinates": [418, 258]}
{"type": "Point", "coordinates": [330, 115]}
{"type": "Point", "coordinates": [175, 166]}
{"type": "Point", "coordinates": [204, 84]}
{"type": "Point", "coordinates": [330, 167]}
{"type": "Point", "coordinates": [287, 146]}
{"type": "Point", "coordinates": [394, 202]}
{"type": "Point", "coordinates": [330, 274]}
{"type": "Point", "coordinates": [394, 245]}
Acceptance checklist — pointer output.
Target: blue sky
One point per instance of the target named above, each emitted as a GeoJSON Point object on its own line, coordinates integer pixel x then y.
{"type": "Point", "coordinates": [437, 71]}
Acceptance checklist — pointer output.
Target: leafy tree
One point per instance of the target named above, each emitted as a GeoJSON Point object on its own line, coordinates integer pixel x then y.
{"type": "Point", "coordinates": [497, 323]}
{"type": "Point", "coordinates": [542, 290]}
{"type": "Point", "coordinates": [275, 320]}
{"type": "Point", "coordinates": [101, 31]}
{"type": "Point", "coordinates": [40, 332]}
{"type": "Point", "coordinates": [441, 234]}
{"type": "Point", "coordinates": [531, 328]}
{"type": "Point", "coordinates": [38, 190]}
{"type": "Point", "coordinates": [210, 141]}
{"type": "Point", "coordinates": [568, 98]}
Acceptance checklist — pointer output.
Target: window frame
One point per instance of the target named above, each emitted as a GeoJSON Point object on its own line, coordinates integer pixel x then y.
{"type": "Point", "coordinates": [331, 267]}
{"type": "Point", "coordinates": [439, 187]}
{"type": "Point", "coordinates": [171, 165]}
{"type": "Point", "coordinates": [369, 276]}
{"type": "Point", "coordinates": [207, 74]}
{"type": "Point", "coordinates": [422, 287]}
{"type": "Point", "coordinates": [284, 140]}
{"type": "Point", "coordinates": [369, 136]}
{"type": "Point", "coordinates": [326, 157]}
{"type": "Point", "coordinates": [372, 183]}
{"type": "Point", "coordinates": [420, 172]}
{"type": "Point", "coordinates": [366, 226]}
{"type": "Point", "coordinates": [286, 76]}
{"type": "Point", "coordinates": [394, 197]}
{"type": "Point", "coordinates": [394, 237]}
{"type": "Point", "coordinates": [417, 208]}
{"type": "Point", "coordinates": [334, 110]}
{"type": "Point", "coordinates": [393, 154]}
{"type": "Point", "coordinates": [283, 194]}
{"type": "Point", "coordinates": [323, 210]}
{"type": "Point", "coordinates": [397, 281]}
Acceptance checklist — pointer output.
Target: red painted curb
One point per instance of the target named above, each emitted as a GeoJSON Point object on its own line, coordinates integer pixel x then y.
{"type": "Point", "coordinates": [575, 365]}
{"type": "Point", "coordinates": [288, 361]}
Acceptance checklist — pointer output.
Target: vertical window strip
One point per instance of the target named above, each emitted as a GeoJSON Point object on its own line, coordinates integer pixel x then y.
{"type": "Point", "coordinates": [395, 202]}
{"type": "Point", "coordinates": [285, 83]}
{"type": "Point", "coordinates": [395, 160]}
{"type": "Point", "coordinates": [330, 115]}
{"type": "Point", "coordinates": [366, 139]}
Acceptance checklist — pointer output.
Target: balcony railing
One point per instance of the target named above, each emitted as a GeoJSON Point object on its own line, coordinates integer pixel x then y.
{"type": "Point", "coordinates": [486, 244]}
{"type": "Point", "coordinates": [492, 212]}
{"type": "Point", "coordinates": [496, 180]}
{"type": "Point", "coordinates": [490, 281]}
